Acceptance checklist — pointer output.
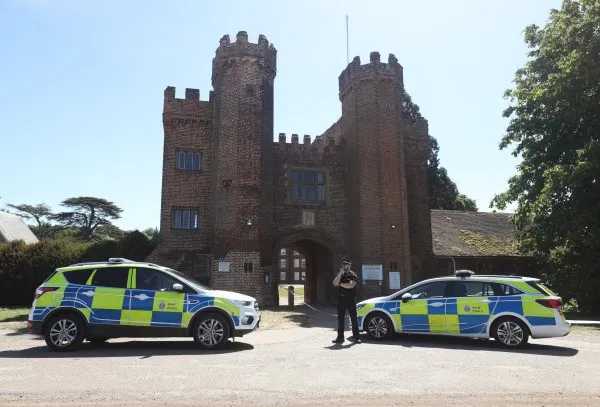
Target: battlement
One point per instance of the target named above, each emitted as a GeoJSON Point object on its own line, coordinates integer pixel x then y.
{"type": "Point", "coordinates": [373, 70]}
{"type": "Point", "coordinates": [192, 95]}
{"type": "Point", "coordinates": [262, 51]}
{"type": "Point", "coordinates": [318, 145]}
{"type": "Point", "coordinates": [191, 105]}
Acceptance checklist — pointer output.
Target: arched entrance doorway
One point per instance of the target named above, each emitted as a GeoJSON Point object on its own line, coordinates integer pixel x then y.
{"type": "Point", "coordinates": [306, 260]}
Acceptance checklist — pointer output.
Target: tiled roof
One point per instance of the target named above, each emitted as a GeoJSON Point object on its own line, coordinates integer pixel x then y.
{"type": "Point", "coordinates": [12, 228]}
{"type": "Point", "coordinates": [480, 234]}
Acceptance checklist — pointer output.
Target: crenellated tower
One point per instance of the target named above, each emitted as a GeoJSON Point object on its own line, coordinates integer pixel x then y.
{"type": "Point", "coordinates": [373, 126]}
{"type": "Point", "coordinates": [236, 204]}
{"type": "Point", "coordinates": [242, 77]}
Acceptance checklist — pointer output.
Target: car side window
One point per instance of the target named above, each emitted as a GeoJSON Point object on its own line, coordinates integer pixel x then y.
{"type": "Point", "coordinates": [155, 280]}
{"type": "Point", "coordinates": [113, 277]}
{"type": "Point", "coordinates": [78, 276]}
{"type": "Point", "coordinates": [481, 289]}
{"type": "Point", "coordinates": [505, 289]}
{"type": "Point", "coordinates": [429, 290]}
{"type": "Point", "coordinates": [469, 289]}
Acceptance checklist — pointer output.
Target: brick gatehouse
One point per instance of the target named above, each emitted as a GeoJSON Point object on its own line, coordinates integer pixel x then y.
{"type": "Point", "coordinates": [232, 197]}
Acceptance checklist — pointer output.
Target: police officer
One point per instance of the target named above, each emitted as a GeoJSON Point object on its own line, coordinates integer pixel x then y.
{"type": "Point", "coordinates": [345, 281]}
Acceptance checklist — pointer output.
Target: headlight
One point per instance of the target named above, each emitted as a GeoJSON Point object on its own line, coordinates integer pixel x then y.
{"type": "Point", "coordinates": [240, 303]}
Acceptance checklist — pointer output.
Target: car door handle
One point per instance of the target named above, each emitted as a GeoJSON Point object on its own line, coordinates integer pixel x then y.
{"type": "Point", "coordinates": [485, 301]}
{"type": "Point", "coordinates": [141, 297]}
{"type": "Point", "coordinates": [437, 304]}
{"type": "Point", "coordinates": [88, 293]}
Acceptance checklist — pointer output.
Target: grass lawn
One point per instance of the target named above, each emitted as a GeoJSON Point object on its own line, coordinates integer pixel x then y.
{"type": "Point", "coordinates": [13, 314]}
{"type": "Point", "coordinates": [13, 318]}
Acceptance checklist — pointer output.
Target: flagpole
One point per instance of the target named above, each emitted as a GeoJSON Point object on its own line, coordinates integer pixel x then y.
{"type": "Point", "coordinates": [347, 43]}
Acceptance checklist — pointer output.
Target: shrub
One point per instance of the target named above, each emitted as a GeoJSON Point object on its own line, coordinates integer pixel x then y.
{"type": "Point", "coordinates": [24, 267]}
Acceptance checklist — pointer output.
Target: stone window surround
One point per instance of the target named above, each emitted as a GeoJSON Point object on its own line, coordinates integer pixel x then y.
{"type": "Point", "coordinates": [174, 210]}
{"type": "Point", "coordinates": [290, 185]}
{"type": "Point", "coordinates": [185, 152]}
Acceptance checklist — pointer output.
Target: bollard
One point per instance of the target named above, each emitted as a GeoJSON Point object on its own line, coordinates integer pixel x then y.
{"type": "Point", "coordinates": [291, 297]}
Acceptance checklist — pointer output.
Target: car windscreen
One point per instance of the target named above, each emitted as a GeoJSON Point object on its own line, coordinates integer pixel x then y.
{"type": "Point", "coordinates": [187, 279]}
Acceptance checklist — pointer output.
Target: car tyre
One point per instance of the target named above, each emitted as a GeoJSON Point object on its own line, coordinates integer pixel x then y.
{"type": "Point", "coordinates": [510, 332]}
{"type": "Point", "coordinates": [64, 332]}
{"type": "Point", "coordinates": [211, 331]}
{"type": "Point", "coordinates": [379, 327]}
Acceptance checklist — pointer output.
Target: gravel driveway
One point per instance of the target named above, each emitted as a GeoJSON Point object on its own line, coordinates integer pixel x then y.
{"type": "Point", "coordinates": [291, 361]}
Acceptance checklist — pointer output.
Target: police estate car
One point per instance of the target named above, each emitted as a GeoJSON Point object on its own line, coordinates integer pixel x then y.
{"type": "Point", "coordinates": [506, 308]}
{"type": "Point", "coordinates": [122, 298]}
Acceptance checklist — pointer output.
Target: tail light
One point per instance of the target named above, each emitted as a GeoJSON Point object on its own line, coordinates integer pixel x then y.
{"type": "Point", "coordinates": [43, 290]}
{"type": "Point", "coordinates": [550, 302]}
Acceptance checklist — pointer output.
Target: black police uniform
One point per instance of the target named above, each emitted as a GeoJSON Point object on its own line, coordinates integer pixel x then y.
{"type": "Point", "coordinates": [346, 300]}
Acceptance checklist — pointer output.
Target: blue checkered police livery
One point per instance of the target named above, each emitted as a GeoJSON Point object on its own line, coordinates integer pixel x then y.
{"type": "Point", "coordinates": [121, 298]}
{"type": "Point", "coordinates": [509, 309]}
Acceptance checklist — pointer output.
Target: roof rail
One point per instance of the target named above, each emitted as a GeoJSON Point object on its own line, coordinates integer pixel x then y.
{"type": "Point", "coordinates": [86, 263]}
{"type": "Point", "coordinates": [114, 260]}
{"type": "Point", "coordinates": [499, 275]}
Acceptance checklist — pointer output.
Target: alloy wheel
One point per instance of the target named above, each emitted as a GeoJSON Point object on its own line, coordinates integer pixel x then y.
{"type": "Point", "coordinates": [510, 333]}
{"type": "Point", "coordinates": [63, 333]}
{"type": "Point", "coordinates": [210, 332]}
{"type": "Point", "coordinates": [378, 327]}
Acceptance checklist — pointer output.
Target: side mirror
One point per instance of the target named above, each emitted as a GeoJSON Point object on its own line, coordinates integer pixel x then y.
{"type": "Point", "coordinates": [177, 287]}
{"type": "Point", "coordinates": [406, 297]}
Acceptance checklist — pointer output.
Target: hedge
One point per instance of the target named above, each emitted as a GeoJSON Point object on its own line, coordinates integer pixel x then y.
{"type": "Point", "coordinates": [23, 267]}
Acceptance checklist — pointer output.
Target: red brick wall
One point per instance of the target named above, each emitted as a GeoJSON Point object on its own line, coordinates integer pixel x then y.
{"type": "Point", "coordinates": [187, 126]}
{"type": "Point", "coordinates": [330, 215]}
{"type": "Point", "coordinates": [373, 160]}
{"type": "Point", "coordinates": [373, 126]}
{"type": "Point", "coordinates": [416, 146]}
{"type": "Point", "coordinates": [243, 75]}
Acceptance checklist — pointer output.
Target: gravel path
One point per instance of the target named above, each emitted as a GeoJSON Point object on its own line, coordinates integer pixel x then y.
{"type": "Point", "coordinates": [289, 364]}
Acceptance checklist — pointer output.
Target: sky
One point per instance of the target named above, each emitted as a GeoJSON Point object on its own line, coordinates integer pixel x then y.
{"type": "Point", "coordinates": [81, 83]}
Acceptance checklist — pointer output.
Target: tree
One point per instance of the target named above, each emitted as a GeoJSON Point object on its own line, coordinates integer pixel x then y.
{"type": "Point", "coordinates": [88, 214]}
{"type": "Point", "coordinates": [443, 192]}
{"type": "Point", "coordinates": [108, 232]}
{"type": "Point", "coordinates": [136, 245]}
{"type": "Point", "coordinates": [555, 128]}
{"type": "Point", "coordinates": [41, 213]}
{"type": "Point", "coordinates": [152, 234]}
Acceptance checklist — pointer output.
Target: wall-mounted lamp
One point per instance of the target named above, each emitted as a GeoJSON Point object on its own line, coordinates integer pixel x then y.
{"type": "Point", "coordinates": [393, 226]}
{"type": "Point", "coordinates": [249, 222]}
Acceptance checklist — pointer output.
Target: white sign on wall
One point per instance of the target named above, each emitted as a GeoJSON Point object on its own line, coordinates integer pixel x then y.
{"type": "Point", "coordinates": [224, 266]}
{"type": "Point", "coordinates": [394, 280]}
{"type": "Point", "coordinates": [372, 272]}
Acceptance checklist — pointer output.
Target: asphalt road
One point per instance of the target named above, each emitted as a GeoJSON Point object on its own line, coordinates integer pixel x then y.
{"type": "Point", "coordinates": [295, 365]}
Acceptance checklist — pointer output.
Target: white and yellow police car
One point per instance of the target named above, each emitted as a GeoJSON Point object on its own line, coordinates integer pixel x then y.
{"type": "Point", "coordinates": [123, 298]}
{"type": "Point", "coordinates": [509, 309]}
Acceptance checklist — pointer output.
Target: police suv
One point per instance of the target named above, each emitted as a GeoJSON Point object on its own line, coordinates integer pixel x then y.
{"type": "Point", "coordinates": [509, 309]}
{"type": "Point", "coordinates": [123, 298]}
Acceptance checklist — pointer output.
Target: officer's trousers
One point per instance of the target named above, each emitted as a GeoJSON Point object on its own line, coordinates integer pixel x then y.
{"type": "Point", "coordinates": [347, 303]}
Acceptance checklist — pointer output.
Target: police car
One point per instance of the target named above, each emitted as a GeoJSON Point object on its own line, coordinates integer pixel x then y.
{"type": "Point", "coordinates": [509, 309]}
{"type": "Point", "coordinates": [123, 298]}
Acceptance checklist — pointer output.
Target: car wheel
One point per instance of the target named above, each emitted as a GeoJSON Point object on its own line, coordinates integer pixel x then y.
{"type": "Point", "coordinates": [379, 327]}
{"type": "Point", "coordinates": [211, 331]}
{"type": "Point", "coordinates": [510, 332]}
{"type": "Point", "coordinates": [64, 332]}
